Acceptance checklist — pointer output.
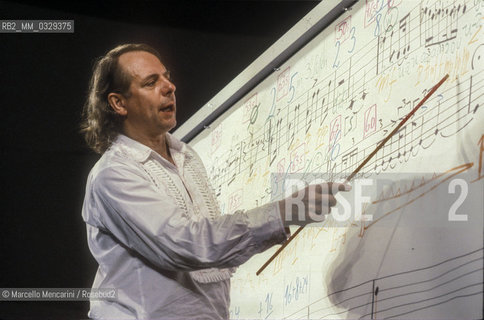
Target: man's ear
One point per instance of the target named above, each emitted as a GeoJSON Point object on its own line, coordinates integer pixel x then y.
{"type": "Point", "coordinates": [116, 101]}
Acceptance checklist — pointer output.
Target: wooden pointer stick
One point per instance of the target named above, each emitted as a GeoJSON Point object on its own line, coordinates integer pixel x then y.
{"type": "Point", "coordinates": [362, 164]}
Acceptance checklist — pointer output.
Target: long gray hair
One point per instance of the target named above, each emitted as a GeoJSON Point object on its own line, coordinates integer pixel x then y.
{"type": "Point", "coordinates": [101, 124]}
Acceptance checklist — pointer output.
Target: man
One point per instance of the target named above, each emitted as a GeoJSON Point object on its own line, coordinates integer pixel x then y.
{"type": "Point", "coordinates": [153, 223]}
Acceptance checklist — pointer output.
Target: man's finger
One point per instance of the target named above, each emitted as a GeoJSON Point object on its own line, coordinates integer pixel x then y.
{"type": "Point", "coordinates": [332, 187]}
{"type": "Point", "coordinates": [332, 200]}
{"type": "Point", "coordinates": [323, 201]}
{"type": "Point", "coordinates": [343, 186]}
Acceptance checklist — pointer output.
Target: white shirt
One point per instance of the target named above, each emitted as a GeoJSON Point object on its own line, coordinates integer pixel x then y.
{"type": "Point", "coordinates": [150, 224]}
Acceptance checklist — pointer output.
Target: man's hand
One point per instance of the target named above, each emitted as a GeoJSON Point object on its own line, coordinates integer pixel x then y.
{"type": "Point", "coordinates": [310, 204]}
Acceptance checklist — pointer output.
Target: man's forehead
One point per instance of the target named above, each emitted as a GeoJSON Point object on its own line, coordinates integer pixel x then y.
{"type": "Point", "coordinates": [140, 64]}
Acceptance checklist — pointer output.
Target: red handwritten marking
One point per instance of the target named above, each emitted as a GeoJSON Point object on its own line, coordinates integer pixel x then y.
{"type": "Point", "coordinates": [393, 3]}
{"type": "Point", "coordinates": [235, 200]}
{"type": "Point", "coordinates": [281, 169]}
{"type": "Point", "coordinates": [216, 138]}
{"type": "Point", "coordinates": [334, 128]}
{"type": "Point", "coordinates": [247, 107]}
{"type": "Point", "coordinates": [370, 121]}
{"type": "Point", "coordinates": [283, 82]}
{"type": "Point", "coordinates": [342, 30]}
{"type": "Point", "coordinates": [371, 9]}
{"type": "Point", "coordinates": [298, 159]}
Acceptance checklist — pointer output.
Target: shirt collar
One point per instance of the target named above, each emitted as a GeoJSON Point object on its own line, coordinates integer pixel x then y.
{"type": "Point", "coordinates": [140, 152]}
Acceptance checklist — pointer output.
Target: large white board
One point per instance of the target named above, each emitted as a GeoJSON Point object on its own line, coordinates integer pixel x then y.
{"type": "Point", "coordinates": [320, 114]}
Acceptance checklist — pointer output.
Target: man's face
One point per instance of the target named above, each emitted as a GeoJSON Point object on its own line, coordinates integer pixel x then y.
{"type": "Point", "coordinates": [151, 104]}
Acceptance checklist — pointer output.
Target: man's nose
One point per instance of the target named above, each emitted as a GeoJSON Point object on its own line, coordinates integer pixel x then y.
{"type": "Point", "coordinates": [168, 87]}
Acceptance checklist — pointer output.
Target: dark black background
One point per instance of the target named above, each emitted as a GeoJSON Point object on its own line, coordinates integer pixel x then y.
{"type": "Point", "coordinates": [44, 79]}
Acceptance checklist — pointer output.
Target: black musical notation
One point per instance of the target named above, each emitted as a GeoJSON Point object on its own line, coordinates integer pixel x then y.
{"type": "Point", "coordinates": [440, 22]}
{"type": "Point", "coordinates": [442, 118]}
{"type": "Point", "coordinates": [394, 44]}
{"type": "Point", "coordinates": [343, 93]}
{"type": "Point", "coordinates": [330, 121]}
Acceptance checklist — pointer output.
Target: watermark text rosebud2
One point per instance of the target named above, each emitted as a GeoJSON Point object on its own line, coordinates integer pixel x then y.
{"type": "Point", "coordinates": [438, 197]}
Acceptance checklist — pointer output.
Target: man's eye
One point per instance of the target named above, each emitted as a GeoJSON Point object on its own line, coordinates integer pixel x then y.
{"type": "Point", "coordinates": [151, 83]}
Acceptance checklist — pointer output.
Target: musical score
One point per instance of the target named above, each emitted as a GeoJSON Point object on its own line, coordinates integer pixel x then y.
{"type": "Point", "coordinates": [320, 115]}
{"type": "Point", "coordinates": [344, 90]}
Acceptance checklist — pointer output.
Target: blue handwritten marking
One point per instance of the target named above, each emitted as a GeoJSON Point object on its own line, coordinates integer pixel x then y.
{"type": "Point", "coordinates": [295, 289]}
{"type": "Point", "coordinates": [266, 308]}
{"type": "Point", "coordinates": [235, 312]}
{"type": "Point", "coordinates": [292, 88]}
{"type": "Point", "coordinates": [353, 38]}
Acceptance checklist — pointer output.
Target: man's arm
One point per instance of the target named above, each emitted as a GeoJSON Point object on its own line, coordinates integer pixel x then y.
{"type": "Point", "coordinates": [150, 223]}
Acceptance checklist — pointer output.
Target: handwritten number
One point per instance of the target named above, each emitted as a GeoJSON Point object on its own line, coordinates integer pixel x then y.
{"type": "Point", "coordinates": [254, 114]}
{"type": "Point", "coordinates": [271, 113]}
{"type": "Point", "coordinates": [269, 303]}
{"type": "Point", "coordinates": [292, 88]}
{"type": "Point", "coordinates": [377, 27]}
{"type": "Point", "coordinates": [353, 38]}
{"type": "Point", "coordinates": [336, 61]}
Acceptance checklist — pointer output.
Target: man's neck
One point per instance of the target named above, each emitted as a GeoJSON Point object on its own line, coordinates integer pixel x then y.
{"type": "Point", "coordinates": [158, 143]}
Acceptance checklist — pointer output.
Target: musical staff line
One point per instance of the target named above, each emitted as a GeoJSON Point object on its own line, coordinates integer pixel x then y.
{"type": "Point", "coordinates": [477, 261]}
{"type": "Point", "coordinates": [424, 135]}
{"type": "Point", "coordinates": [322, 91]}
{"type": "Point", "coordinates": [320, 116]}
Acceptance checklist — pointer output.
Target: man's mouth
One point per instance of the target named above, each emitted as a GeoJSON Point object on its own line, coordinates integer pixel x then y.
{"type": "Point", "coordinates": [168, 108]}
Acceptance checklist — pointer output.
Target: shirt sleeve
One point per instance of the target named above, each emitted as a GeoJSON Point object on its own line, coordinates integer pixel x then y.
{"type": "Point", "coordinates": [149, 223]}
